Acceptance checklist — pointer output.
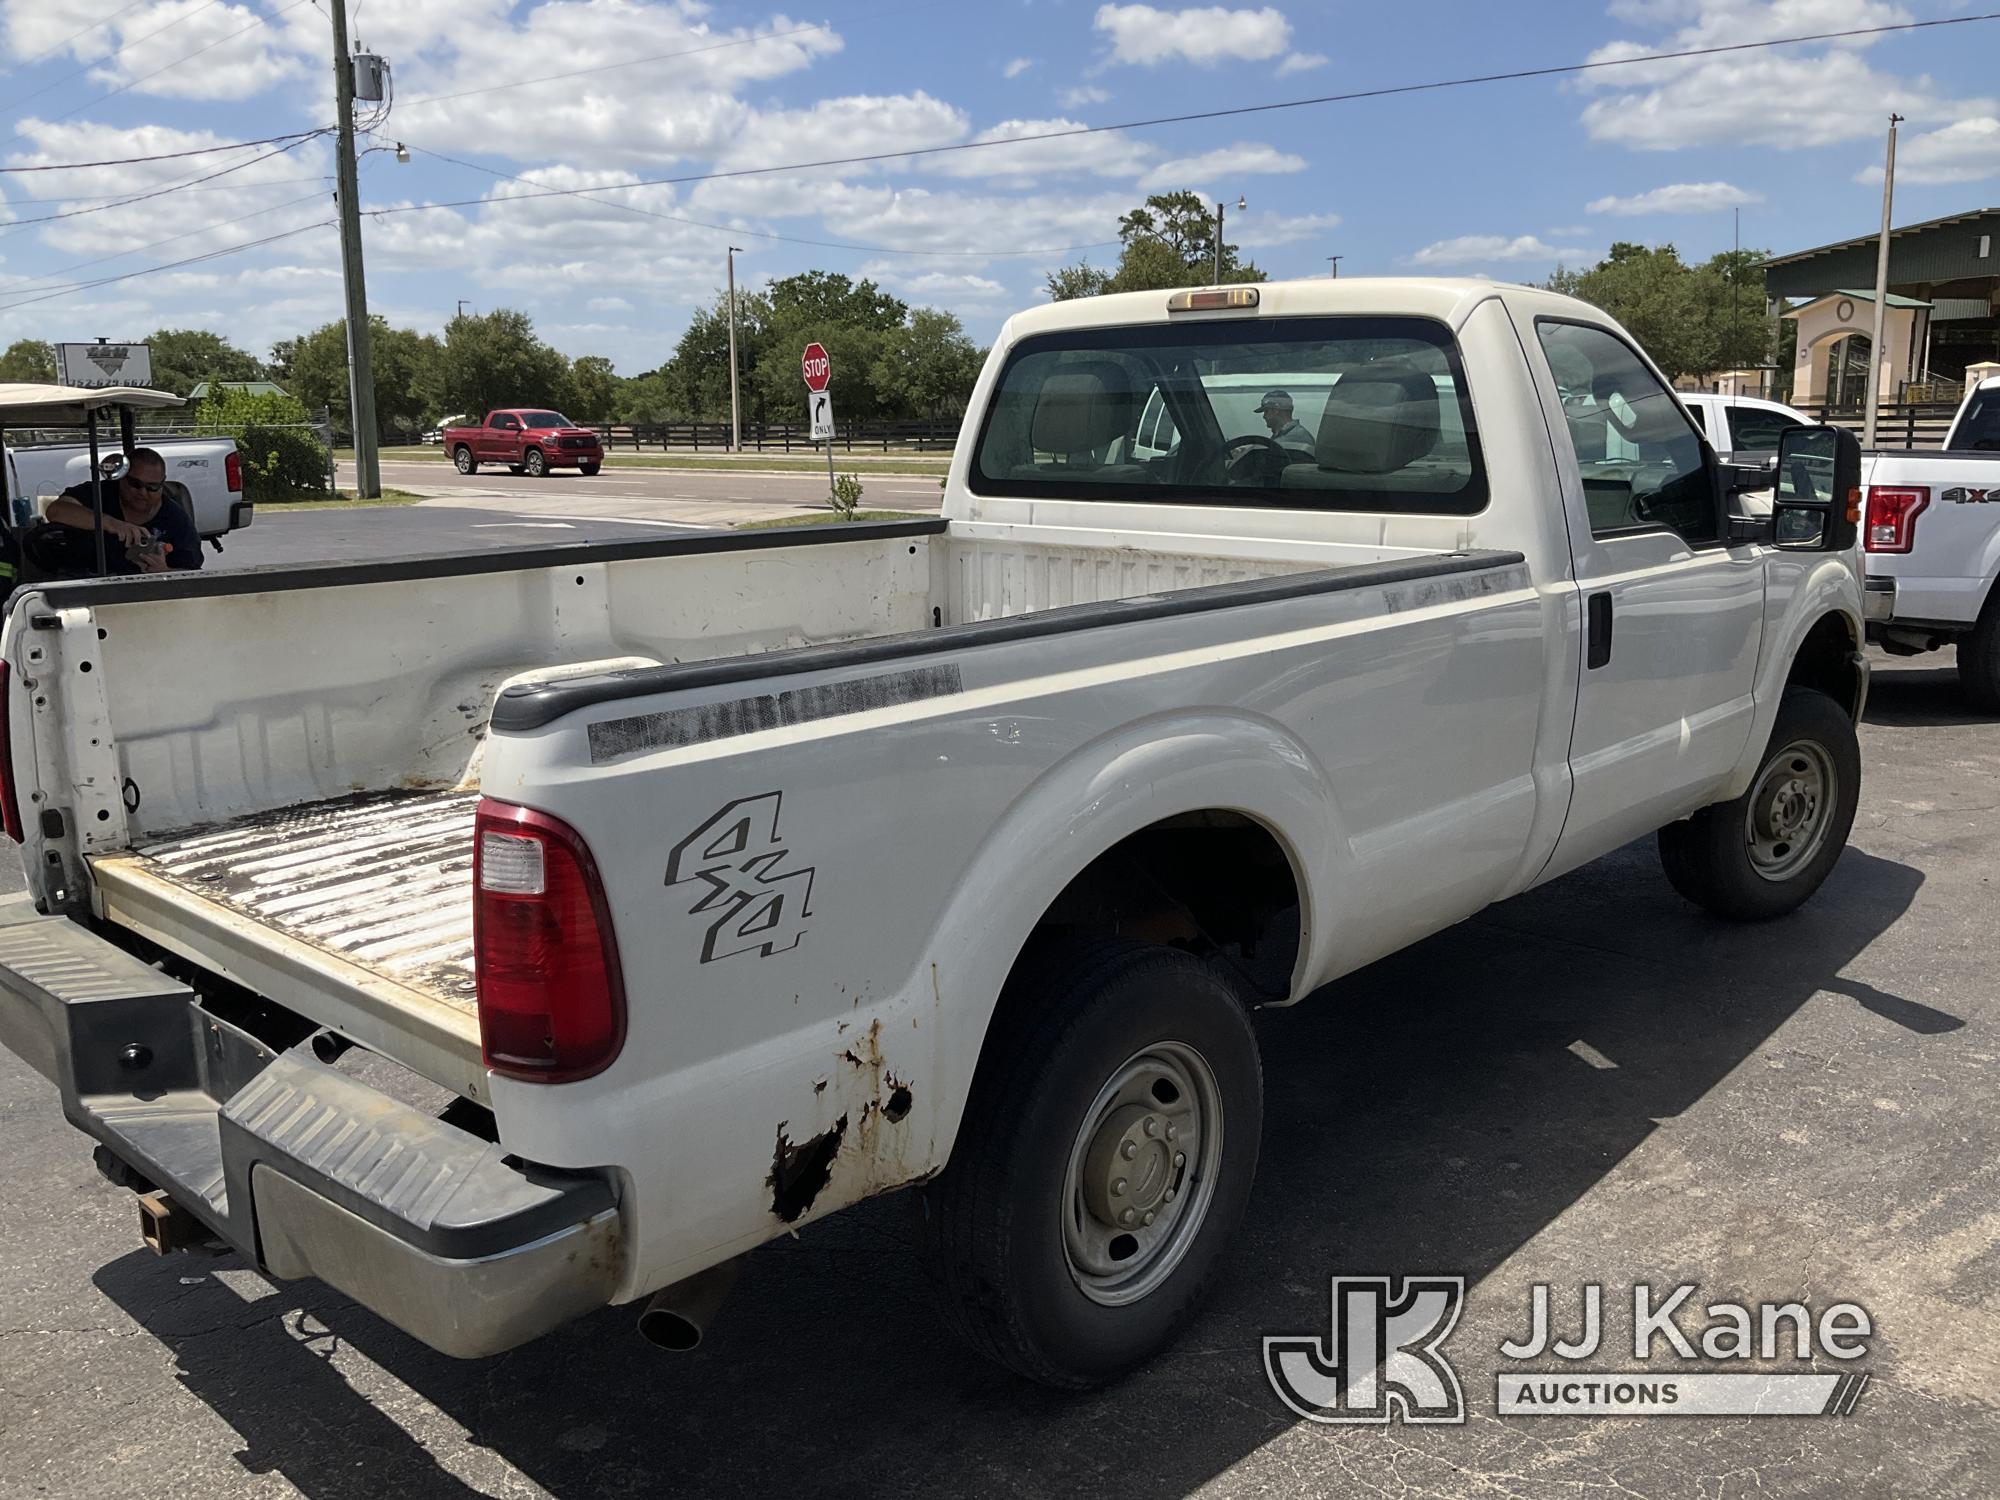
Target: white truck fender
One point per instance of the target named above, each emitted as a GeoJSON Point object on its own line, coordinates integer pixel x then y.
{"type": "Point", "coordinates": [1085, 806]}
{"type": "Point", "coordinates": [1824, 586]}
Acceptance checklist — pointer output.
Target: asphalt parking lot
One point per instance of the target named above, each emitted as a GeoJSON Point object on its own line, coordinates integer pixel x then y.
{"type": "Point", "coordinates": [1591, 1083]}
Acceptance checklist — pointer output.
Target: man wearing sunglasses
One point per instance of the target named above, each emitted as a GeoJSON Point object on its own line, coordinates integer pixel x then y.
{"type": "Point", "coordinates": [144, 530]}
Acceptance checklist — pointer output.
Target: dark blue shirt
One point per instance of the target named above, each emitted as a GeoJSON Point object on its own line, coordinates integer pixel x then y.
{"type": "Point", "coordinates": [170, 524]}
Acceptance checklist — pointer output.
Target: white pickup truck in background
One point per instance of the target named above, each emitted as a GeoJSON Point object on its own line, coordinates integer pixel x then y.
{"type": "Point", "coordinates": [1742, 429]}
{"type": "Point", "coordinates": [209, 470]}
{"type": "Point", "coordinates": [1932, 546]}
{"type": "Point", "coordinates": [520, 933]}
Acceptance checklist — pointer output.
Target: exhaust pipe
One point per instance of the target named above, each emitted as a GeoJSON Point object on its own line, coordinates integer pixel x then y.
{"type": "Point", "coordinates": [677, 1315]}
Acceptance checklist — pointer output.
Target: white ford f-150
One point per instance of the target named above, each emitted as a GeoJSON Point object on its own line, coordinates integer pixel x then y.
{"type": "Point", "coordinates": [1932, 543]}
{"type": "Point", "coordinates": [507, 935]}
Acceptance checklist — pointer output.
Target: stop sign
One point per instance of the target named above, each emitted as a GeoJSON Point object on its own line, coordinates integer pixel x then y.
{"type": "Point", "coordinates": [817, 367]}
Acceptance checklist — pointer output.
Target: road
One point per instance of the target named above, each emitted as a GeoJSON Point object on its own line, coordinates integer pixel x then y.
{"type": "Point", "coordinates": [497, 510]}
{"type": "Point", "coordinates": [1590, 1083]}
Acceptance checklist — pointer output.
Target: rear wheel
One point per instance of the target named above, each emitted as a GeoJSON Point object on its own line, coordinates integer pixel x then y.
{"type": "Point", "coordinates": [1979, 658]}
{"type": "Point", "coordinates": [533, 464]}
{"type": "Point", "coordinates": [462, 459]}
{"type": "Point", "coordinates": [1765, 852]}
{"type": "Point", "coordinates": [1104, 1162]}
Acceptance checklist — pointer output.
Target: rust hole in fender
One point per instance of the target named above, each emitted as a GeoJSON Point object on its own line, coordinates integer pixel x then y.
{"type": "Point", "coordinates": [798, 1172]}
{"type": "Point", "coordinates": [898, 1106]}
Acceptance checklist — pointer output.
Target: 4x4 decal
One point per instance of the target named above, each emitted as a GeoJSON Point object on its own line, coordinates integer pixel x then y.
{"type": "Point", "coordinates": [736, 854]}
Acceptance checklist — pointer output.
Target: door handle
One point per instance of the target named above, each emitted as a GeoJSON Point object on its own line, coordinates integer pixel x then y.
{"type": "Point", "coordinates": [1599, 624]}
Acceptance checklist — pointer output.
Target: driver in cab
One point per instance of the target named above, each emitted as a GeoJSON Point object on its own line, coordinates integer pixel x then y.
{"type": "Point", "coordinates": [145, 530]}
{"type": "Point", "coordinates": [1286, 430]}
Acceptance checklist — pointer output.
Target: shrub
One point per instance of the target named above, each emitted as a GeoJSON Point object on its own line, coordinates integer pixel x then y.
{"type": "Point", "coordinates": [846, 496]}
{"type": "Point", "coordinates": [283, 455]}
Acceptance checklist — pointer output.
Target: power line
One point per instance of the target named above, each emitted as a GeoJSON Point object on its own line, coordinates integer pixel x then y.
{"type": "Point", "coordinates": [174, 265]}
{"type": "Point", "coordinates": [15, 107]}
{"type": "Point", "coordinates": [1514, 76]}
{"type": "Point", "coordinates": [133, 161]}
{"type": "Point", "coordinates": [49, 279]}
{"type": "Point", "coordinates": [630, 62]}
{"type": "Point", "coordinates": [48, 52]}
{"type": "Point", "coordinates": [160, 192]}
{"type": "Point", "coordinates": [732, 229]}
{"type": "Point", "coordinates": [169, 67]}
{"type": "Point", "coordinates": [234, 187]}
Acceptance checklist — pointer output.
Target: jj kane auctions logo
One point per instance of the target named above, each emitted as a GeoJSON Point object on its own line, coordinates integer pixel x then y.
{"type": "Point", "coordinates": [1382, 1357]}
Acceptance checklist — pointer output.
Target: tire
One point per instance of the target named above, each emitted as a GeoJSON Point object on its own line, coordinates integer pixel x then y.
{"type": "Point", "coordinates": [1762, 854]}
{"type": "Point", "coordinates": [588, 469]}
{"type": "Point", "coordinates": [1007, 1226]}
{"type": "Point", "coordinates": [513, 468]}
{"type": "Point", "coordinates": [463, 461]}
{"type": "Point", "coordinates": [1979, 658]}
{"type": "Point", "coordinates": [533, 464]}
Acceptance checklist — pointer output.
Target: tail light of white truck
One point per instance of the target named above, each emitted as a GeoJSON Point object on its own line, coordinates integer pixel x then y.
{"type": "Point", "coordinates": [1892, 516]}
{"type": "Point", "coordinates": [10, 802]}
{"type": "Point", "coordinates": [232, 472]}
{"type": "Point", "coordinates": [551, 995]}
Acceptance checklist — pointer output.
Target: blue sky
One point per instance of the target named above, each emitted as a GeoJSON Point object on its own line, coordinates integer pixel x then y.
{"type": "Point", "coordinates": [1500, 179]}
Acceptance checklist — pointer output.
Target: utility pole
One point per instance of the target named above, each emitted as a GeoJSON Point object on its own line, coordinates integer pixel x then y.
{"type": "Point", "coordinates": [1216, 279]}
{"type": "Point", "coordinates": [1333, 267]}
{"type": "Point", "coordinates": [360, 367]}
{"type": "Point", "coordinates": [461, 306]}
{"type": "Point", "coordinates": [735, 407]}
{"type": "Point", "coordinates": [1874, 397]}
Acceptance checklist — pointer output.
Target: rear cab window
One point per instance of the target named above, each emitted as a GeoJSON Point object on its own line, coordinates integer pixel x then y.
{"type": "Point", "coordinates": [1343, 413]}
{"type": "Point", "coordinates": [1980, 426]}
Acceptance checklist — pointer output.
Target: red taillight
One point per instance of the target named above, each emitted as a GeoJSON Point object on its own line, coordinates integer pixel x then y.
{"type": "Point", "coordinates": [1892, 517]}
{"type": "Point", "coordinates": [232, 469]}
{"type": "Point", "coordinates": [10, 806]}
{"type": "Point", "coordinates": [551, 998]}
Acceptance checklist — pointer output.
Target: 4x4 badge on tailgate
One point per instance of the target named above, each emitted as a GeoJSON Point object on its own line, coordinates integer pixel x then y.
{"type": "Point", "coordinates": [736, 853]}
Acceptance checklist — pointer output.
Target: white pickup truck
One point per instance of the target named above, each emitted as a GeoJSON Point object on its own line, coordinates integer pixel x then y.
{"type": "Point", "coordinates": [1932, 541]}
{"type": "Point", "coordinates": [512, 934]}
{"type": "Point", "coordinates": [209, 471]}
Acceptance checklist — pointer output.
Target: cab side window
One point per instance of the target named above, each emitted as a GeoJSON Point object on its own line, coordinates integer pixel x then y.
{"type": "Point", "coordinates": [1641, 458]}
{"type": "Point", "coordinates": [1755, 430]}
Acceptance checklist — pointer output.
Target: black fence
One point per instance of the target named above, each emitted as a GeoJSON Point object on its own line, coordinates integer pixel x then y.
{"type": "Point", "coordinates": [773, 437]}
{"type": "Point", "coordinates": [1898, 424]}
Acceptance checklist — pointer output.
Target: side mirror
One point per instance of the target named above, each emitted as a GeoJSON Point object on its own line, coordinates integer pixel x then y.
{"type": "Point", "coordinates": [1816, 502]}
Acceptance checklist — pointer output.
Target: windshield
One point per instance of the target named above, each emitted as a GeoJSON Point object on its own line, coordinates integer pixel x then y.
{"type": "Point", "coordinates": [1322, 413]}
{"type": "Point", "coordinates": [545, 419]}
{"type": "Point", "coordinates": [1980, 426]}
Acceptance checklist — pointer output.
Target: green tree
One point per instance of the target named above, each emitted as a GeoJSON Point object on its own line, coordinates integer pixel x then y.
{"type": "Point", "coordinates": [29, 362]}
{"type": "Point", "coordinates": [495, 359]}
{"type": "Point", "coordinates": [643, 398]}
{"type": "Point", "coordinates": [184, 357]}
{"type": "Point", "coordinates": [407, 367]}
{"type": "Point", "coordinates": [593, 389]}
{"type": "Point", "coordinates": [830, 299]}
{"type": "Point", "coordinates": [928, 366]}
{"type": "Point", "coordinates": [696, 379]}
{"type": "Point", "coordinates": [1692, 320]}
{"type": "Point", "coordinates": [283, 459]}
{"type": "Point", "coordinates": [1169, 241]}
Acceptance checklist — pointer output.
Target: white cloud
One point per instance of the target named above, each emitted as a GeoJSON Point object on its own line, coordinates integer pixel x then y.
{"type": "Point", "coordinates": [1676, 198]}
{"type": "Point", "coordinates": [1016, 67]}
{"type": "Point", "coordinates": [1145, 36]}
{"type": "Point", "coordinates": [1243, 159]}
{"type": "Point", "coordinates": [1104, 154]}
{"type": "Point", "coordinates": [1076, 98]}
{"type": "Point", "coordinates": [853, 125]}
{"type": "Point", "coordinates": [1787, 98]}
{"type": "Point", "coordinates": [1570, 231]}
{"type": "Point", "coordinates": [948, 289]}
{"type": "Point", "coordinates": [1481, 249]}
{"type": "Point", "coordinates": [1301, 62]}
{"type": "Point", "coordinates": [1967, 151]}
{"type": "Point", "coordinates": [229, 54]}
{"type": "Point", "coordinates": [608, 304]}
{"type": "Point", "coordinates": [1257, 231]}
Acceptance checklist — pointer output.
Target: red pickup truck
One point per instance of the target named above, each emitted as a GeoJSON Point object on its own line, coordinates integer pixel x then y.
{"type": "Point", "coordinates": [528, 440]}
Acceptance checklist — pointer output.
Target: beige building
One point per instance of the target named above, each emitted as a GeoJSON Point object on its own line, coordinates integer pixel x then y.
{"type": "Point", "coordinates": [1835, 330]}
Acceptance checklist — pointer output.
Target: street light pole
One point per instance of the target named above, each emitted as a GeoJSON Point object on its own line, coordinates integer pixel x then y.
{"type": "Point", "coordinates": [1333, 267]}
{"type": "Point", "coordinates": [735, 408]}
{"type": "Point", "coordinates": [1241, 204]}
{"type": "Point", "coordinates": [1874, 396]}
{"type": "Point", "coordinates": [360, 366]}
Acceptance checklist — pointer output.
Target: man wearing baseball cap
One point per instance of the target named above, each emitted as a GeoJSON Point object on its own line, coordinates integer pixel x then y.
{"type": "Point", "coordinates": [1286, 430]}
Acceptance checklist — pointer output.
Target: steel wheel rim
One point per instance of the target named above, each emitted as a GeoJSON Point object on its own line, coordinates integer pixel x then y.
{"type": "Point", "coordinates": [1164, 1103]}
{"type": "Point", "coordinates": [534, 465]}
{"type": "Point", "coordinates": [1790, 810]}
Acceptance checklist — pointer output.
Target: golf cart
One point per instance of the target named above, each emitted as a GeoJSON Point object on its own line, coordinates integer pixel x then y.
{"type": "Point", "coordinates": [53, 551]}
